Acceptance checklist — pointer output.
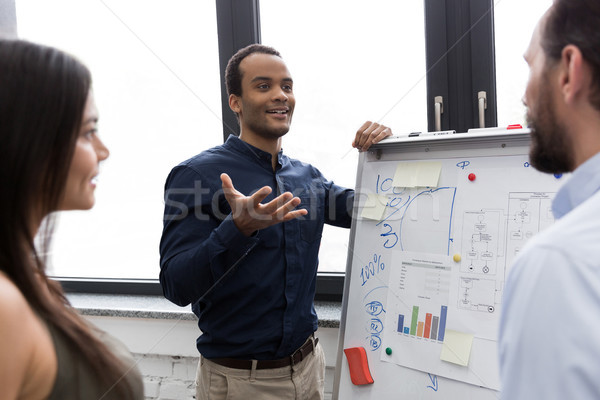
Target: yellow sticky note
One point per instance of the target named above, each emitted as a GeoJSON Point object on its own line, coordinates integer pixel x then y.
{"type": "Point", "coordinates": [418, 174]}
{"type": "Point", "coordinates": [457, 347]}
{"type": "Point", "coordinates": [406, 175]}
{"type": "Point", "coordinates": [374, 207]}
{"type": "Point", "coordinates": [428, 174]}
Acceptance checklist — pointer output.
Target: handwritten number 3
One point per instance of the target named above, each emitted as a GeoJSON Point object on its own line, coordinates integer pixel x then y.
{"type": "Point", "coordinates": [387, 244]}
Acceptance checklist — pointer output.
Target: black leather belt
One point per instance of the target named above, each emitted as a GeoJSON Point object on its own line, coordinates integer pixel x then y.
{"type": "Point", "coordinates": [295, 358]}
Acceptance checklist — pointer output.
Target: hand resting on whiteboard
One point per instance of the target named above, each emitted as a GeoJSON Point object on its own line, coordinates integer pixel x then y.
{"type": "Point", "coordinates": [370, 133]}
{"type": "Point", "coordinates": [249, 215]}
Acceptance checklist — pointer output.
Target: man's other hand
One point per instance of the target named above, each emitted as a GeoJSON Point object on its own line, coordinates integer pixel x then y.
{"type": "Point", "coordinates": [370, 133]}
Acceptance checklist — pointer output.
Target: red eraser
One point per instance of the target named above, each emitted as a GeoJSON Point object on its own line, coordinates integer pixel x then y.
{"type": "Point", "coordinates": [359, 365]}
{"type": "Point", "coordinates": [515, 126]}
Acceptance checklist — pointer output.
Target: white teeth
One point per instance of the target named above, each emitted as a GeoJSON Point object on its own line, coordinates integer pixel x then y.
{"type": "Point", "coordinates": [95, 180]}
{"type": "Point", "coordinates": [278, 111]}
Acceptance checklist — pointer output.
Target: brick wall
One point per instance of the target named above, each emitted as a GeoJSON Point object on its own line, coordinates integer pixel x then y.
{"type": "Point", "coordinates": [168, 377]}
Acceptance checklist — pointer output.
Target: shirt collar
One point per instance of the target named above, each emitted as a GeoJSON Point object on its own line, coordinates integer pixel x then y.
{"type": "Point", "coordinates": [584, 182]}
{"type": "Point", "coordinates": [237, 144]}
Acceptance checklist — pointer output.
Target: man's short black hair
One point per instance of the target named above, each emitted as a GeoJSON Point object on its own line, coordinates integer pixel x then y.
{"type": "Point", "coordinates": [233, 76]}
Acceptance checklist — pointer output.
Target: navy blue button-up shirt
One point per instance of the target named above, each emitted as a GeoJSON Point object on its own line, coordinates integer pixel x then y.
{"type": "Point", "coordinates": [263, 308]}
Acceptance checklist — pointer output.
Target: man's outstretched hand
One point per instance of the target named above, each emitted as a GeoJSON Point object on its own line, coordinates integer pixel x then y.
{"type": "Point", "coordinates": [250, 215]}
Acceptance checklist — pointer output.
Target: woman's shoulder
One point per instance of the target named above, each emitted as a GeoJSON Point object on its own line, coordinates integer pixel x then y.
{"type": "Point", "coordinates": [27, 358]}
{"type": "Point", "coordinates": [14, 304]}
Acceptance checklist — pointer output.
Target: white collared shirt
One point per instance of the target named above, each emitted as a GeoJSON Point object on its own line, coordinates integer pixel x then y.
{"type": "Point", "coordinates": [549, 338]}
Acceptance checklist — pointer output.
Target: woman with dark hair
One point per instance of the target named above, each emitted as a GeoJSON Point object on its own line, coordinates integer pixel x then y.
{"type": "Point", "coordinates": [49, 158]}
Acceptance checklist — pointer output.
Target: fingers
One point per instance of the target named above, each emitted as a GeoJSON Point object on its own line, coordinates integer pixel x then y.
{"type": "Point", "coordinates": [364, 134]}
{"type": "Point", "coordinates": [282, 209]}
{"type": "Point", "coordinates": [275, 205]}
{"type": "Point", "coordinates": [228, 190]}
{"type": "Point", "coordinates": [359, 133]}
{"type": "Point", "coordinates": [294, 214]}
{"type": "Point", "coordinates": [260, 195]}
{"type": "Point", "coordinates": [288, 212]}
{"type": "Point", "coordinates": [369, 134]}
{"type": "Point", "coordinates": [226, 182]}
{"type": "Point", "coordinates": [375, 133]}
{"type": "Point", "coordinates": [384, 132]}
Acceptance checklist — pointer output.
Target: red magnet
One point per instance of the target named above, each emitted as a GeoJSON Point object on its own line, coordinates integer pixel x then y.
{"type": "Point", "coordinates": [359, 365]}
{"type": "Point", "coordinates": [472, 177]}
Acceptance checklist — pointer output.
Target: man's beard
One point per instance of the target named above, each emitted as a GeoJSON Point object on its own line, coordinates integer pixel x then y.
{"type": "Point", "coordinates": [261, 127]}
{"type": "Point", "coordinates": [267, 132]}
{"type": "Point", "coordinates": [271, 133]}
{"type": "Point", "coordinates": [551, 149]}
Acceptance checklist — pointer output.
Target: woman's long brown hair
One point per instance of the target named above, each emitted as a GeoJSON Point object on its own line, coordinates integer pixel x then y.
{"type": "Point", "coordinates": [43, 93]}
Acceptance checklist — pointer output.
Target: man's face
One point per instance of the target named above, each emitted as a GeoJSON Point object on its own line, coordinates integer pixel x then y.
{"type": "Point", "coordinates": [551, 148]}
{"type": "Point", "coordinates": [267, 102]}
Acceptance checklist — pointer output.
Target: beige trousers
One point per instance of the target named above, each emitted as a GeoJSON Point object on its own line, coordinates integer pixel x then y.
{"type": "Point", "coordinates": [303, 381]}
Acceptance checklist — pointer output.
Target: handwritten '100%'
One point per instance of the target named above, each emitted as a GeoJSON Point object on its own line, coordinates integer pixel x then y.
{"type": "Point", "coordinates": [374, 267]}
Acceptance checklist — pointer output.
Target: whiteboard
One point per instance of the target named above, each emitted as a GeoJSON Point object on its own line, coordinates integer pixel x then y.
{"type": "Point", "coordinates": [401, 270]}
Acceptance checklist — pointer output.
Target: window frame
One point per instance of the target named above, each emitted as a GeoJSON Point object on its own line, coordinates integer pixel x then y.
{"type": "Point", "coordinates": [456, 31]}
{"type": "Point", "coordinates": [460, 59]}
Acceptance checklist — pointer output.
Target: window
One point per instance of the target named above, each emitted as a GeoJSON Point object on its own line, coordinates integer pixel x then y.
{"type": "Point", "coordinates": [157, 87]}
{"type": "Point", "coordinates": [514, 24]}
{"type": "Point", "coordinates": [351, 62]}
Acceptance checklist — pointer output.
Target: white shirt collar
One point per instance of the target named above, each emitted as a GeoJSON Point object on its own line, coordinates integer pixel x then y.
{"type": "Point", "coordinates": [584, 182]}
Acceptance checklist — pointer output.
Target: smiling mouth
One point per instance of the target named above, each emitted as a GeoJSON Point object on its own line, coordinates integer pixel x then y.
{"type": "Point", "coordinates": [277, 111]}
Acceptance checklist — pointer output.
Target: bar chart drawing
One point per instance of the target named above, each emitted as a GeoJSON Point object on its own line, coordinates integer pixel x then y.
{"type": "Point", "coordinates": [418, 309]}
{"type": "Point", "coordinates": [433, 327]}
{"type": "Point", "coordinates": [418, 304]}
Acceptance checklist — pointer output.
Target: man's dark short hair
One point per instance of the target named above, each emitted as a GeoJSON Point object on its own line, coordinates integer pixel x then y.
{"type": "Point", "coordinates": [575, 22]}
{"type": "Point", "coordinates": [233, 76]}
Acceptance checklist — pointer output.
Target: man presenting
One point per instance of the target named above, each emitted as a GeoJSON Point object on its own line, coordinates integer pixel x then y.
{"type": "Point", "coordinates": [241, 237]}
{"type": "Point", "coordinates": [548, 342]}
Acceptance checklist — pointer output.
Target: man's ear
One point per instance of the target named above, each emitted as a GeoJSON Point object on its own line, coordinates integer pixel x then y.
{"type": "Point", "coordinates": [235, 103]}
{"type": "Point", "coordinates": [574, 75]}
